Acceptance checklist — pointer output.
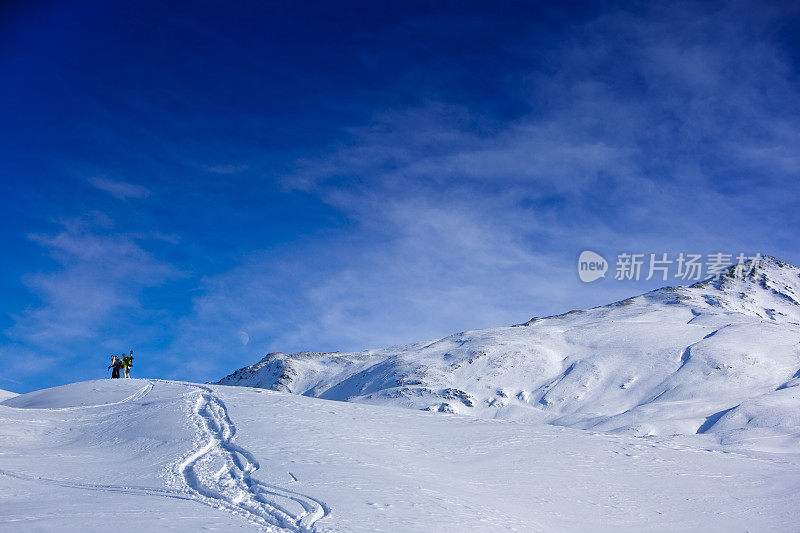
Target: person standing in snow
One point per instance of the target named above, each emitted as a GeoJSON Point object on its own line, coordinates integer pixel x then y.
{"type": "Point", "coordinates": [115, 366]}
{"type": "Point", "coordinates": [127, 363]}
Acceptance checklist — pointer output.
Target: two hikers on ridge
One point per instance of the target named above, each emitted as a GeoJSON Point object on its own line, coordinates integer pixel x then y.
{"type": "Point", "coordinates": [123, 364]}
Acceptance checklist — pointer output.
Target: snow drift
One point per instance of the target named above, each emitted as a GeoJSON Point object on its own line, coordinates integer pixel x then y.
{"type": "Point", "coordinates": [719, 358]}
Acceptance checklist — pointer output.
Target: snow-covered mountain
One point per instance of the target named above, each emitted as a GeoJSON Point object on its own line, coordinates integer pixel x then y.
{"type": "Point", "coordinates": [720, 358]}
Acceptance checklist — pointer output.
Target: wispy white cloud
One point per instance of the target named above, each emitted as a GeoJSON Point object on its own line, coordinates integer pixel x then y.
{"type": "Point", "coordinates": [641, 127]}
{"type": "Point", "coordinates": [99, 280]}
{"type": "Point", "coordinates": [119, 189]}
{"type": "Point", "coordinates": [227, 169]}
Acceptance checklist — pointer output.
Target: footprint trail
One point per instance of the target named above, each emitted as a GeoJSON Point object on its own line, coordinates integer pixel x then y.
{"type": "Point", "coordinates": [219, 473]}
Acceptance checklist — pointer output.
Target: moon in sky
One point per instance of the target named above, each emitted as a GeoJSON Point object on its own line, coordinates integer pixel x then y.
{"type": "Point", "coordinates": [245, 337]}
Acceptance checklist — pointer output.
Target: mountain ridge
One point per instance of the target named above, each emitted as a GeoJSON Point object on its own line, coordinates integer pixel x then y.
{"type": "Point", "coordinates": [720, 357]}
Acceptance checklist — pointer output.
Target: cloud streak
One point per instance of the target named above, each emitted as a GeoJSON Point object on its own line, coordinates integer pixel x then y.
{"type": "Point", "coordinates": [98, 281]}
{"type": "Point", "coordinates": [637, 140]}
{"type": "Point", "coordinates": [227, 169]}
{"type": "Point", "coordinates": [119, 189]}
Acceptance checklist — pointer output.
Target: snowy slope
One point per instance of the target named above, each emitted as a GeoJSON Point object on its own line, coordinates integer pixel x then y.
{"type": "Point", "coordinates": [4, 394]}
{"type": "Point", "coordinates": [720, 358]}
{"type": "Point", "coordinates": [141, 455]}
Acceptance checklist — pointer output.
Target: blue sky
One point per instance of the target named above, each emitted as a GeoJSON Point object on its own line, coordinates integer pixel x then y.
{"type": "Point", "coordinates": [207, 182]}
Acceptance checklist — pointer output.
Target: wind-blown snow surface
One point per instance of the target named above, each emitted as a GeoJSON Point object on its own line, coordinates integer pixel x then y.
{"type": "Point", "coordinates": [141, 455]}
{"type": "Point", "coordinates": [719, 358]}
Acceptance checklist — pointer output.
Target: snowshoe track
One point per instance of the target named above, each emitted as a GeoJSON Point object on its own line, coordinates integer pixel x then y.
{"type": "Point", "coordinates": [219, 472]}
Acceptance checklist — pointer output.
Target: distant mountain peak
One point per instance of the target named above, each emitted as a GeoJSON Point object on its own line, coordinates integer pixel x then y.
{"type": "Point", "coordinates": [753, 270]}
{"type": "Point", "coordinates": [768, 275]}
{"type": "Point", "coordinates": [736, 285]}
{"type": "Point", "coordinates": [720, 357]}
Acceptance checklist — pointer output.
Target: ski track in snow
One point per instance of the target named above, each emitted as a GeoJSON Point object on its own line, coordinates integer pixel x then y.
{"type": "Point", "coordinates": [125, 489]}
{"type": "Point", "coordinates": [218, 473]}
